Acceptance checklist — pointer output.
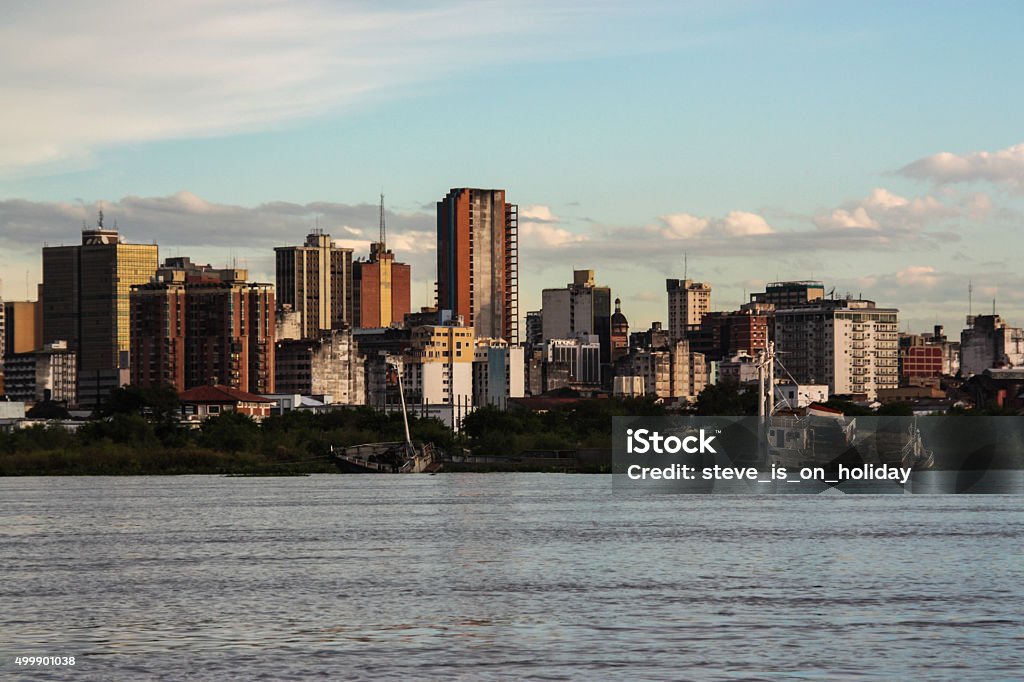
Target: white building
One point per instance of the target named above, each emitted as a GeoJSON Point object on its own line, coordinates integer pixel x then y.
{"type": "Point", "coordinates": [688, 302]}
{"type": "Point", "coordinates": [850, 345]}
{"type": "Point", "coordinates": [799, 395]}
{"type": "Point", "coordinates": [581, 354]}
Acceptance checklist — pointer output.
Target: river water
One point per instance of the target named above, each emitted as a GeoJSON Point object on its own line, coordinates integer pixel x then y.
{"type": "Point", "coordinates": [502, 576]}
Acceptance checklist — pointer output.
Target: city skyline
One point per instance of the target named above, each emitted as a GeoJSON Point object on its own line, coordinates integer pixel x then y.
{"type": "Point", "coordinates": [875, 148]}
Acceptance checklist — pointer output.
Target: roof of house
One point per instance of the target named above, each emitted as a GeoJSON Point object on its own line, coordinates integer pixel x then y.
{"type": "Point", "coordinates": [220, 394]}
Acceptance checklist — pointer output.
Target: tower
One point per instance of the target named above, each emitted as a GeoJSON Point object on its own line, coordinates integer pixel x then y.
{"type": "Point", "coordinates": [381, 292]}
{"type": "Point", "coordinates": [315, 279]}
{"type": "Point", "coordinates": [477, 261]}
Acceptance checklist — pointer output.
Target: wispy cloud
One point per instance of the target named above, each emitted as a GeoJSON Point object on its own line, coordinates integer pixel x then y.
{"type": "Point", "coordinates": [78, 77]}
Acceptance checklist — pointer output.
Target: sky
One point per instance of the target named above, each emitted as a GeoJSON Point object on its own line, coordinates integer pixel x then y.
{"type": "Point", "coordinates": [878, 147]}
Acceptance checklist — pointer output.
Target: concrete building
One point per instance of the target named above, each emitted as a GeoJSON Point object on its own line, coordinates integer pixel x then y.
{"type": "Point", "coordinates": [795, 396]}
{"type": "Point", "coordinates": [850, 345]}
{"type": "Point", "coordinates": [381, 285]}
{"type": "Point", "coordinates": [329, 365]}
{"type": "Point", "coordinates": [790, 294]}
{"type": "Point", "coordinates": [675, 373]}
{"type": "Point", "coordinates": [478, 261]}
{"type": "Point", "coordinates": [989, 343]}
{"type": "Point", "coordinates": [581, 307]}
{"type": "Point", "coordinates": [628, 387]}
{"type": "Point", "coordinates": [725, 334]}
{"type": "Point", "coordinates": [85, 298]}
{"type": "Point", "coordinates": [438, 368]}
{"type": "Point", "coordinates": [581, 354]}
{"type": "Point", "coordinates": [498, 373]}
{"type": "Point", "coordinates": [950, 349]}
{"type": "Point", "coordinates": [287, 323]}
{"type": "Point", "coordinates": [740, 368]}
{"type": "Point", "coordinates": [688, 302]}
{"type": "Point", "coordinates": [193, 329]}
{"type": "Point", "coordinates": [315, 279]}
{"type": "Point", "coordinates": [50, 373]}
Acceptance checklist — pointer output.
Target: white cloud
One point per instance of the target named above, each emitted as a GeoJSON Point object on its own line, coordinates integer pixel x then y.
{"type": "Point", "coordinates": [532, 235]}
{"type": "Point", "coordinates": [1003, 167]}
{"type": "Point", "coordinates": [682, 225]}
{"type": "Point", "coordinates": [743, 224]}
{"type": "Point", "coordinates": [734, 224]}
{"type": "Point", "coordinates": [882, 209]}
{"type": "Point", "coordinates": [917, 276]}
{"type": "Point", "coordinates": [79, 77]}
{"type": "Point", "coordinates": [538, 213]}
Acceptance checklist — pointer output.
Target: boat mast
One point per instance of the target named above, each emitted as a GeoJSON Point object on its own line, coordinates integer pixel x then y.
{"type": "Point", "coordinates": [401, 397]}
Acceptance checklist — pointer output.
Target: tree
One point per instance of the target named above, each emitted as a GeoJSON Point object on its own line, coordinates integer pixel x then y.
{"type": "Point", "coordinates": [726, 400]}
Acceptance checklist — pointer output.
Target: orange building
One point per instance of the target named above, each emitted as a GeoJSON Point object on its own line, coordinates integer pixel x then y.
{"type": "Point", "coordinates": [477, 261]}
{"type": "Point", "coordinates": [381, 286]}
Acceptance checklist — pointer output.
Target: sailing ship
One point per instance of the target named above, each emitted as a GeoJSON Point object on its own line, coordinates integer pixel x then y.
{"type": "Point", "coordinates": [395, 457]}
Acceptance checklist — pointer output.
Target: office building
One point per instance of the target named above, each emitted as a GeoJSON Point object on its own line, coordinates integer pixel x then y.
{"type": "Point", "coordinates": [85, 299]}
{"type": "Point", "coordinates": [581, 307]}
{"type": "Point", "coordinates": [580, 354]}
{"type": "Point", "coordinates": [315, 279]}
{"type": "Point", "coordinates": [674, 373]}
{"type": "Point", "coordinates": [850, 345]}
{"type": "Point", "coordinates": [381, 285]}
{"type": "Point", "coordinates": [46, 374]}
{"type": "Point", "coordinates": [438, 367]}
{"type": "Point", "coordinates": [193, 327]}
{"type": "Point", "coordinates": [688, 302]}
{"type": "Point", "coordinates": [477, 261]}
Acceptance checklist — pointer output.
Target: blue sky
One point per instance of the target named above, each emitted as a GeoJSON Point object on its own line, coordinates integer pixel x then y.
{"type": "Point", "coordinates": [766, 140]}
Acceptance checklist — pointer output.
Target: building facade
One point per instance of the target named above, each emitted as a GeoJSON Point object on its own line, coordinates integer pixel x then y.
{"type": "Point", "coordinates": [790, 294]}
{"type": "Point", "coordinates": [329, 366]}
{"type": "Point", "coordinates": [498, 373]}
{"type": "Point", "coordinates": [315, 279]}
{"type": "Point", "coordinates": [989, 342]}
{"type": "Point", "coordinates": [191, 332]}
{"type": "Point", "coordinates": [478, 261]}
{"type": "Point", "coordinates": [438, 368]}
{"type": "Point", "coordinates": [86, 301]}
{"type": "Point", "coordinates": [581, 307]}
{"type": "Point", "coordinates": [850, 345]}
{"type": "Point", "coordinates": [688, 302]}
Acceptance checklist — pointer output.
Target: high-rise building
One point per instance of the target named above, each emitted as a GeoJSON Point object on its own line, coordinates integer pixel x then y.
{"type": "Point", "coordinates": [86, 302]}
{"type": "Point", "coordinates": [498, 373]}
{"type": "Point", "coordinates": [580, 308]}
{"type": "Point", "coordinates": [194, 327]}
{"type": "Point", "coordinates": [438, 368]}
{"type": "Point", "coordinates": [315, 279]}
{"type": "Point", "coordinates": [688, 302]}
{"type": "Point", "coordinates": [381, 285]}
{"type": "Point", "coordinates": [477, 261]}
{"type": "Point", "coordinates": [850, 345]}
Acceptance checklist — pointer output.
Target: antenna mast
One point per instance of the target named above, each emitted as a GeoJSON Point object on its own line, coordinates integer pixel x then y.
{"type": "Point", "coordinates": [382, 229]}
{"type": "Point", "coordinates": [686, 267]}
{"type": "Point", "coordinates": [970, 297]}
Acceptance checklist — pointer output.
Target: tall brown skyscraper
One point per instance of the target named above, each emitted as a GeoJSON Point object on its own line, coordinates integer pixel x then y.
{"type": "Point", "coordinates": [315, 279]}
{"type": "Point", "coordinates": [477, 261]}
{"type": "Point", "coordinates": [381, 285]}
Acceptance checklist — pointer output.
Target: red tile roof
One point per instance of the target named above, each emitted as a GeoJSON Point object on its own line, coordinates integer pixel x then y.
{"type": "Point", "coordinates": [220, 394]}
